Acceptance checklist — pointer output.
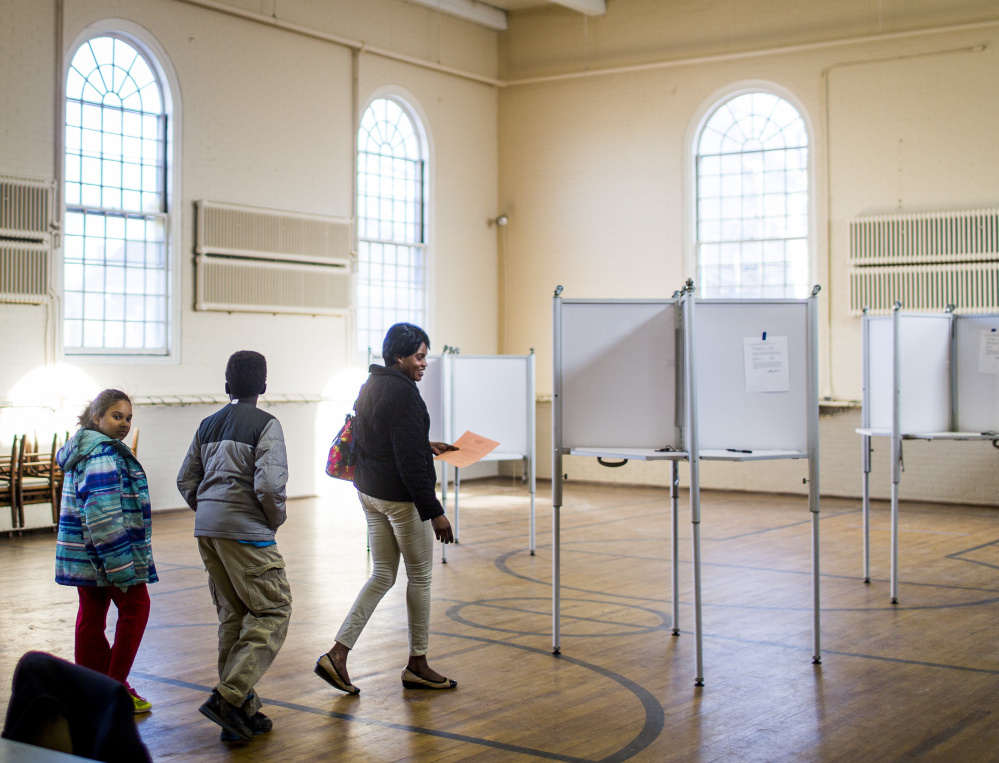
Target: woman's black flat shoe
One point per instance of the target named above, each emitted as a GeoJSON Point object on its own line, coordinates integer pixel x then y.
{"type": "Point", "coordinates": [327, 671]}
{"type": "Point", "coordinates": [412, 681]}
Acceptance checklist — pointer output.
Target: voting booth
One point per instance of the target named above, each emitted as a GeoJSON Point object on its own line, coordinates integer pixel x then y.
{"type": "Point", "coordinates": [492, 396]}
{"type": "Point", "coordinates": [685, 379]}
{"type": "Point", "coordinates": [925, 377]}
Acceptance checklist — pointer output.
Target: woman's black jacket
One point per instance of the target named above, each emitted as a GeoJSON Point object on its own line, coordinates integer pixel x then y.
{"type": "Point", "coordinates": [392, 430]}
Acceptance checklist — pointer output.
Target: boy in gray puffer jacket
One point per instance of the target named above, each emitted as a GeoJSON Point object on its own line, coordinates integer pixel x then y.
{"type": "Point", "coordinates": [234, 478]}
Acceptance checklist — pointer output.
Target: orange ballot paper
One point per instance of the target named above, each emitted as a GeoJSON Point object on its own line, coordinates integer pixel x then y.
{"type": "Point", "coordinates": [471, 447]}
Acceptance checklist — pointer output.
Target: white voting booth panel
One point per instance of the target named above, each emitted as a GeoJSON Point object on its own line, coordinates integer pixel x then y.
{"type": "Point", "coordinates": [924, 354]}
{"type": "Point", "coordinates": [615, 383]}
{"type": "Point", "coordinates": [619, 374]}
{"type": "Point", "coordinates": [432, 387]}
{"type": "Point", "coordinates": [733, 417]}
{"type": "Point", "coordinates": [627, 385]}
{"type": "Point", "coordinates": [929, 377]}
{"type": "Point", "coordinates": [492, 396]}
{"type": "Point", "coordinates": [755, 392]}
{"type": "Point", "coordinates": [976, 349]}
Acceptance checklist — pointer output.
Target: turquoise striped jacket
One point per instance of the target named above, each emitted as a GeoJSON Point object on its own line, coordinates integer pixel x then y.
{"type": "Point", "coordinates": [105, 521]}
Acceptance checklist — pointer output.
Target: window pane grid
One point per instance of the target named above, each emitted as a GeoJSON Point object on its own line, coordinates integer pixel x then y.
{"type": "Point", "coordinates": [390, 203]}
{"type": "Point", "coordinates": [115, 282]}
{"type": "Point", "coordinates": [115, 275]}
{"type": "Point", "coordinates": [752, 200]}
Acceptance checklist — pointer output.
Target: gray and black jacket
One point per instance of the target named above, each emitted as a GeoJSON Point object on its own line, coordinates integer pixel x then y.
{"type": "Point", "coordinates": [234, 474]}
{"type": "Point", "coordinates": [392, 430]}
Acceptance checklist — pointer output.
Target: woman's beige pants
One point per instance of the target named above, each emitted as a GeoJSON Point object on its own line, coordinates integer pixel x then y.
{"type": "Point", "coordinates": [394, 528]}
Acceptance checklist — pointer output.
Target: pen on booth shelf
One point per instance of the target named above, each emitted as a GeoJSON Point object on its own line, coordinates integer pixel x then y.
{"type": "Point", "coordinates": [737, 450]}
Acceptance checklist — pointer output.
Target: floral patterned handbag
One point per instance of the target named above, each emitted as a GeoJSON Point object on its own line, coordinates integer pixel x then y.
{"type": "Point", "coordinates": [343, 452]}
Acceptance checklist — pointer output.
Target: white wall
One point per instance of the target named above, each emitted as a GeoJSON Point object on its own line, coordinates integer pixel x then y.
{"type": "Point", "coordinates": [266, 120]}
{"type": "Point", "coordinates": [593, 173]}
{"type": "Point", "coordinates": [596, 177]}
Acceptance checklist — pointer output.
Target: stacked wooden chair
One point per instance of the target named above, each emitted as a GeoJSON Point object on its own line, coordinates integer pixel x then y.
{"type": "Point", "coordinates": [39, 478]}
{"type": "Point", "coordinates": [29, 476]}
{"type": "Point", "coordinates": [8, 482]}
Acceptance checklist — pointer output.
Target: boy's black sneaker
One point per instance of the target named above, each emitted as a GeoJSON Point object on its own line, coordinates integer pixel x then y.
{"type": "Point", "coordinates": [259, 724]}
{"type": "Point", "coordinates": [231, 718]}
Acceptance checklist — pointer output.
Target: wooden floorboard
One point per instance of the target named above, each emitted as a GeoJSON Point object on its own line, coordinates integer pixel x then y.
{"type": "Point", "coordinates": [916, 681]}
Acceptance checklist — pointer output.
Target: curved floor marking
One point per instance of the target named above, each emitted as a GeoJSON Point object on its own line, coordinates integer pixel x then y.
{"type": "Point", "coordinates": [454, 610]}
{"type": "Point", "coordinates": [841, 653]}
{"type": "Point", "coordinates": [501, 564]}
{"type": "Point", "coordinates": [655, 716]}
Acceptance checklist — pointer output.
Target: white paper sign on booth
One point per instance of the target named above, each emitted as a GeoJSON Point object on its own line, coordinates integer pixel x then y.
{"type": "Point", "coordinates": [988, 352]}
{"type": "Point", "coordinates": [766, 364]}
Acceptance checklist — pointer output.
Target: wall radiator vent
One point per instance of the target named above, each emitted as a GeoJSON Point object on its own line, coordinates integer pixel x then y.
{"type": "Point", "coordinates": [26, 226]}
{"type": "Point", "coordinates": [926, 261]}
{"type": "Point", "coordinates": [272, 234]}
{"type": "Point", "coordinates": [925, 238]}
{"type": "Point", "coordinates": [24, 272]}
{"type": "Point", "coordinates": [226, 283]}
{"type": "Point", "coordinates": [25, 208]}
{"type": "Point", "coordinates": [970, 287]}
{"type": "Point", "coordinates": [270, 261]}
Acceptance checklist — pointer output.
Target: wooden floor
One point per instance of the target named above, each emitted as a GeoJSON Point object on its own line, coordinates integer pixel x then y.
{"type": "Point", "coordinates": [916, 681]}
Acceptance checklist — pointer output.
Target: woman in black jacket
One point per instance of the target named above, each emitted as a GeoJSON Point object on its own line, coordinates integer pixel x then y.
{"type": "Point", "coordinates": [396, 483]}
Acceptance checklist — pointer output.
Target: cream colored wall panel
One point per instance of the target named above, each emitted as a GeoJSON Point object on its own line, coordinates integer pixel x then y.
{"type": "Point", "coordinates": [266, 112]}
{"type": "Point", "coordinates": [27, 83]}
{"type": "Point", "coordinates": [908, 136]}
{"type": "Point", "coordinates": [551, 40]}
{"type": "Point", "coordinates": [594, 178]}
{"type": "Point", "coordinates": [22, 344]}
{"type": "Point", "coordinates": [461, 122]}
{"type": "Point", "coordinates": [584, 183]}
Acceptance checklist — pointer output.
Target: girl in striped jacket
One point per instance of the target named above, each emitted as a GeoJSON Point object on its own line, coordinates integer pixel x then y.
{"type": "Point", "coordinates": [103, 545]}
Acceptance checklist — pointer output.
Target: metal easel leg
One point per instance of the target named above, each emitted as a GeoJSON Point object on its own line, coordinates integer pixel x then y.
{"type": "Point", "coordinates": [531, 540]}
{"type": "Point", "coordinates": [556, 580]}
{"type": "Point", "coordinates": [457, 493]}
{"type": "Point", "coordinates": [894, 543]}
{"type": "Point", "coordinates": [444, 504]}
{"type": "Point", "coordinates": [866, 505]}
{"type": "Point", "coordinates": [674, 489]}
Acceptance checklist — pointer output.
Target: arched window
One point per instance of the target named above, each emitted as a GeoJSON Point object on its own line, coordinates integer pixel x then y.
{"type": "Point", "coordinates": [752, 200]}
{"type": "Point", "coordinates": [392, 250]}
{"type": "Point", "coordinates": [116, 278]}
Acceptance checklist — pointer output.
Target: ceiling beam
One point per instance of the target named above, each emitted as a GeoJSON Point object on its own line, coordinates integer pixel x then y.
{"type": "Point", "coordinates": [589, 7]}
{"type": "Point", "coordinates": [470, 10]}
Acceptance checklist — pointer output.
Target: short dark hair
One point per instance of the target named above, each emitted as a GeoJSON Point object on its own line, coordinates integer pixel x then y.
{"type": "Point", "coordinates": [99, 406]}
{"type": "Point", "coordinates": [246, 373]}
{"type": "Point", "coordinates": [401, 341]}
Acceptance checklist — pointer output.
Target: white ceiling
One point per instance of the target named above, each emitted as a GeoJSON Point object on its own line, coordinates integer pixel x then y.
{"type": "Point", "coordinates": [596, 7]}
{"type": "Point", "coordinates": [492, 14]}
{"type": "Point", "coordinates": [517, 5]}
